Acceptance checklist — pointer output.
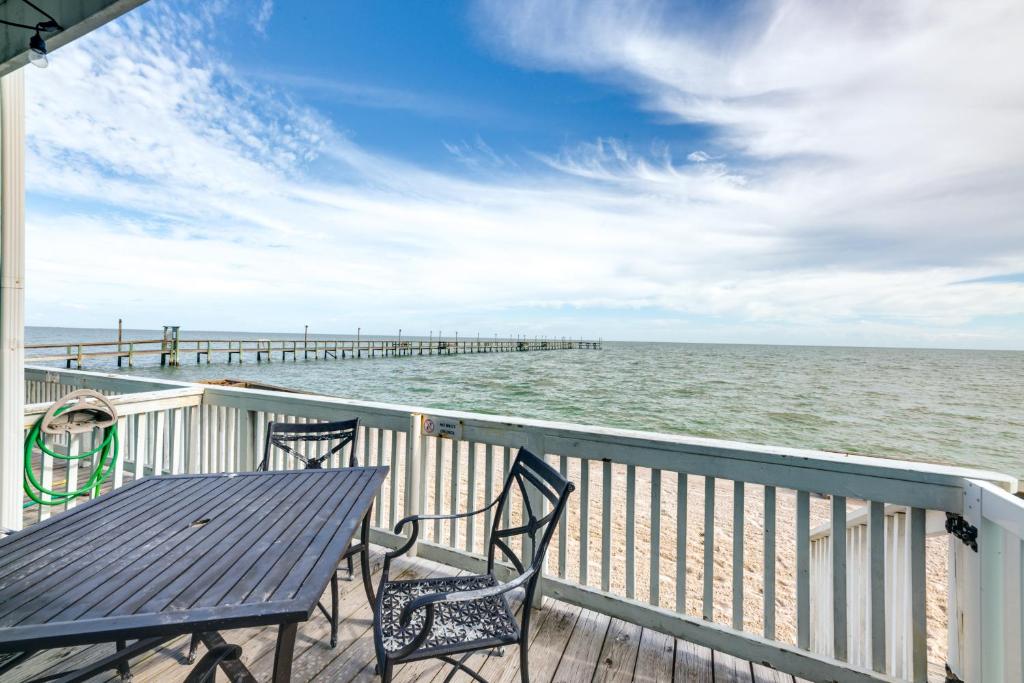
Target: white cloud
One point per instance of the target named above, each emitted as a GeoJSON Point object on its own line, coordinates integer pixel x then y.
{"type": "Point", "coordinates": [263, 15]}
{"type": "Point", "coordinates": [199, 196]}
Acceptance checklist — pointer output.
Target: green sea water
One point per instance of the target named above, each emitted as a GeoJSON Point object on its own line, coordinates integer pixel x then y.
{"type": "Point", "coordinates": [945, 406]}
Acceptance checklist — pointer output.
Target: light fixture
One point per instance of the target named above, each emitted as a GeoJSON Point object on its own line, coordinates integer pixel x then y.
{"type": "Point", "coordinates": [37, 53]}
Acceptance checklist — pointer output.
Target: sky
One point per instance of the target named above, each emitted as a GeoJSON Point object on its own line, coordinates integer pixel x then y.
{"type": "Point", "coordinates": [783, 171]}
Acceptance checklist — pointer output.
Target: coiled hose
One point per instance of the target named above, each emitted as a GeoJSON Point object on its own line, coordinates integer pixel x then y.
{"type": "Point", "coordinates": [39, 494]}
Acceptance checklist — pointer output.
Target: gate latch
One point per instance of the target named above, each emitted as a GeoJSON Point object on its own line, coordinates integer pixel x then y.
{"type": "Point", "coordinates": [959, 527]}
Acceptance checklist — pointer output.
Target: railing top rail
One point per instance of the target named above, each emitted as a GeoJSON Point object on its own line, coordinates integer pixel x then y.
{"type": "Point", "coordinates": [583, 441]}
{"type": "Point", "coordinates": [31, 372]}
{"type": "Point", "coordinates": [133, 404]}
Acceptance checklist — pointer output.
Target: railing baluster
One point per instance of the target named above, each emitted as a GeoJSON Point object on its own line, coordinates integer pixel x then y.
{"type": "Point", "coordinates": [838, 539]}
{"type": "Point", "coordinates": [393, 508]}
{"type": "Point", "coordinates": [141, 422]}
{"type": "Point", "coordinates": [682, 492]}
{"type": "Point", "coordinates": [506, 468]}
{"type": "Point", "coordinates": [378, 505]}
{"type": "Point", "coordinates": [655, 578]}
{"type": "Point", "coordinates": [438, 479]}
{"type": "Point", "coordinates": [737, 555]}
{"type": "Point", "coordinates": [563, 467]}
{"type": "Point", "coordinates": [159, 420]}
{"type": "Point", "coordinates": [489, 494]}
{"type": "Point", "coordinates": [177, 437]}
{"type": "Point", "coordinates": [630, 531]}
{"type": "Point", "coordinates": [471, 497]}
{"type": "Point", "coordinates": [584, 519]}
{"type": "Point", "coordinates": [709, 548]}
{"type": "Point", "coordinates": [918, 588]}
{"type": "Point", "coordinates": [453, 530]}
{"type": "Point", "coordinates": [230, 452]}
{"type": "Point", "coordinates": [606, 525]}
{"type": "Point", "coordinates": [769, 562]}
{"type": "Point", "coordinates": [803, 589]}
{"type": "Point", "coordinates": [876, 558]}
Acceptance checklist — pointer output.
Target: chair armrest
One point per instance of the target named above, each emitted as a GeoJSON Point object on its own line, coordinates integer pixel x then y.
{"type": "Point", "coordinates": [462, 596]}
{"type": "Point", "coordinates": [415, 520]}
{"type": "Point", "coordinates": [459, 515]}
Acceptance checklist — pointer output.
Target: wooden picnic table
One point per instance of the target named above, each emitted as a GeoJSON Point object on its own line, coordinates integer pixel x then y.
{"type": "Point", "coordinates": [166, 556]}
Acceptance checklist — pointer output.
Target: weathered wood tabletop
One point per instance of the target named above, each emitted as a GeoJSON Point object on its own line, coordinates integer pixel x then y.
{"type": "Point", "coordinates": [165, 556]}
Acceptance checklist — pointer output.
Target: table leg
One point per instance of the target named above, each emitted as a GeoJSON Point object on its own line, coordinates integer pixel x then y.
{"type": "Point", "coordinates": [284, 651]}
{"type": "Point", "coordinates": [123, 668]}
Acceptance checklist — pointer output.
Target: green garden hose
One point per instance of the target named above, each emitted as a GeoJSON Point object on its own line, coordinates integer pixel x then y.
{"type": "Point", "coordinates": [40, 495]}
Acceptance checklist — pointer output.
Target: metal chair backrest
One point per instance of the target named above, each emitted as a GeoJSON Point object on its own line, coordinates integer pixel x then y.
{"type": "Point", "coordinates": [288, 436]}
{"type": "Point", "coordinates": [542, 492]}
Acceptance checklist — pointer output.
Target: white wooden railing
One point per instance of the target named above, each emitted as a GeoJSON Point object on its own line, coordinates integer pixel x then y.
{"type": "Point", "coordinates": [752, 580]}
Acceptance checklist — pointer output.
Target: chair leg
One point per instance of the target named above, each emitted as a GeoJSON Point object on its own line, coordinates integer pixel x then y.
{"type": "Point", "coordinates": [524, 662]}
{"type": "Point", "coordinates": [385, 673]}
{"type": "Point", "coordinates": [364, 568]}
{"type": "Point", "coordinates": [364, 559]}
{"type": "Point", "coordinates": [351, 569]}
{"type": "Point", "coordinates": [193, 647]}
{"type": "Point", "coordinates": [334, 609]}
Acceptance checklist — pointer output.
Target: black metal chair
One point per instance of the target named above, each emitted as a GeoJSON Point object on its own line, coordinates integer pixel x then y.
{"type": "Point", "coordinates": [441, 617]}
{"type": "Point", "coordinates": [286, 437]}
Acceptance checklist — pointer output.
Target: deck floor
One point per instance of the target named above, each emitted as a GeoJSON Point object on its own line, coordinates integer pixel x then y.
{"type": "Point", "coordinates": [567, 644]}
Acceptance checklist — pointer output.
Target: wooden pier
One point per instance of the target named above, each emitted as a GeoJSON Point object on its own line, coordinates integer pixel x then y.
{"type": "Point", "coordinates": [172, 350]}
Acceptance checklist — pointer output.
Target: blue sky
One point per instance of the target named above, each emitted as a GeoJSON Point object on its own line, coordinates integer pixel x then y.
{"type": "Point", "coordinates": [781, 172]}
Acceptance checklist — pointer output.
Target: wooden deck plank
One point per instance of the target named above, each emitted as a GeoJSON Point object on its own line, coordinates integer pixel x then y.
{"type": "Point", "coordinates": [567, 644]}
{"type": "Point", "coordinates": [579, 659]}
{"type": "Point", "coordinates": [655, 659]}
{"type": "Point", "coordinates": [729, 669]}
{"type": "Point", "coordinates": [694, 663]}
{"type": "Point", "coordinates": [618, 656]}
{"type": "Point", "coordinates": [546, 647]}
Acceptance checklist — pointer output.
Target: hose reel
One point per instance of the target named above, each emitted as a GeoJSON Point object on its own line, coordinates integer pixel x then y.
{"type": "Point", "coordinates": [81, 412]}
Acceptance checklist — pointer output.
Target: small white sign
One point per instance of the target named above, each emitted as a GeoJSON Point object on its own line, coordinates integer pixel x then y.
{"type": "Point", "coordinates": [444, 427]}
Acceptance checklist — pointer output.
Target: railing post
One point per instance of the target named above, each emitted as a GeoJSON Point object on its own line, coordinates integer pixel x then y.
{"type": "Point", "coordinates": [415, 486]}
{"type": "Point", "coordinates": [969, 592]}
{"type": "Point", "coordinates": [535, 444]}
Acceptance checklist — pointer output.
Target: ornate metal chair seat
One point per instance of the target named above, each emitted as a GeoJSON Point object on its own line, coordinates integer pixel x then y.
{"type": "Point", "coordinates": [458, 626]}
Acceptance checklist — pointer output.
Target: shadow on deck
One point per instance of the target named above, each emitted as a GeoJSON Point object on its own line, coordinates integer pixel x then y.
{"type": "Point", "coordinates": [567, 644]}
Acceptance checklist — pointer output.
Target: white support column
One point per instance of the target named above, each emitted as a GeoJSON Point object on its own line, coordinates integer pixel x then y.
{"type": "Point", "coordinates": [12, 294]}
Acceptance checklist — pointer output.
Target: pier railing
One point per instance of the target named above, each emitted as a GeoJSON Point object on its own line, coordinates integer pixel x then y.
{"type": "Point", "coordinates": [727, 545]}
{"type": "Point", "coordinates": [175, 351]}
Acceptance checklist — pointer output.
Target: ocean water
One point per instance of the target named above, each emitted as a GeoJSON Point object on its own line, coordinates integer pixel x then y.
{"type": "Point", "coordinates": [945, 406]}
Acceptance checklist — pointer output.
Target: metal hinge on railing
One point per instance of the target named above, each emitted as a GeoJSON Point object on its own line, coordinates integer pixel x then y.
{"type": "Point", "coordinates": [959, 527]}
